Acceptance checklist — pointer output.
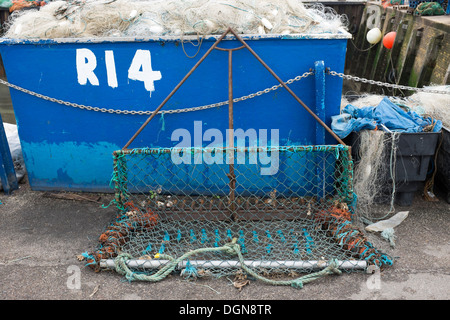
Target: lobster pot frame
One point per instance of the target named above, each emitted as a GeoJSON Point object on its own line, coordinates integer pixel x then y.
{"type": "Point", "coordinates": [217, 213]}
{"type": "Point", "coordinates": [214, 211]}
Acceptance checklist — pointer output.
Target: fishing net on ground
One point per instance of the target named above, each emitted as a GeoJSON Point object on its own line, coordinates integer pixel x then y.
{"type": "Point", "coordinates": [219, 216]}
{"type": "Point", "coordinates": [145, 18]}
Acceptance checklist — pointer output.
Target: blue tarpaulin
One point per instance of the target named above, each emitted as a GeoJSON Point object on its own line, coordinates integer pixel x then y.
{"type": "Point", "coordinates": [386, 116]}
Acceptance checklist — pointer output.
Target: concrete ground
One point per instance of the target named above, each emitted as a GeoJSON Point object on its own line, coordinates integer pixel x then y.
{"type": "Point", "coordinates": [40, 238]}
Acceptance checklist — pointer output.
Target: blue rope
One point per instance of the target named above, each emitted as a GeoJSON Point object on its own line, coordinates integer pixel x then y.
{"type": "Point", "coordinates": [193, 237]}
{"type": "Point", "coordinates": [190, 271]}
{"type": "Point", "coordinates": [241, 241]}
{"type": "Point", "coordinates": [88, 256]}
{"type": "Point", "coordinates": [204, 237]}
{"type": "Point", "coordinates": [148, 249]}
{"type": "Point", "coordinates": [255, 237]}
{"type": "Point", "coordinates": [280, 233]}
{"type": "Point", "coordinates": [309, 241]}
{"type": "Point", "coordinates": [217, 238]}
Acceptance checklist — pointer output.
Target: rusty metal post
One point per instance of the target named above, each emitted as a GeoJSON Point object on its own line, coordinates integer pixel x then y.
{"type": "Point", "coordinates": [231, 175]}
{"type": "Point", "coordinates": [230, 152]}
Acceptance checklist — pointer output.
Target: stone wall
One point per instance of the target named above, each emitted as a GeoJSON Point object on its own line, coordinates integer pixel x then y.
{"type": "Point", "coordinates": [420, 55]}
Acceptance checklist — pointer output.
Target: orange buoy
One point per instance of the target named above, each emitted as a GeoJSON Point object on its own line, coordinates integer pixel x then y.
{"type": "Point", "coordinates": [388, 39]}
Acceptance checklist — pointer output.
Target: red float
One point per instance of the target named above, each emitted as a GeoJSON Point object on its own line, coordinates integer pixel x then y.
{"type": "Point", "coordinates": [388, 39]}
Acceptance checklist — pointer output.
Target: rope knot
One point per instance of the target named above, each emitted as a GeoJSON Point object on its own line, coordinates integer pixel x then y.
{"type": "Point", "coordinates": [389, 234]}
{"type": "Point", "coordinates": [297, 284]}
{"type": "Point", "coordinates": [333, 267]}
{"type": "Point", "coordinates": [232, 248]}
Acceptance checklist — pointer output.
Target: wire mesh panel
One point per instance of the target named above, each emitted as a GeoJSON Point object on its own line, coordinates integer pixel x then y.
{"type": "Point", "coordinates": [214, 211]}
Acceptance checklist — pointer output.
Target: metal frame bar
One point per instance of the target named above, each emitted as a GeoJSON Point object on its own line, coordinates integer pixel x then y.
{"type": "Point", "coordinates": [230, 152]}
{"type": "Point", "coordinates": [310, 148]}
{"type": "Point", "coordinates": [281, 264]}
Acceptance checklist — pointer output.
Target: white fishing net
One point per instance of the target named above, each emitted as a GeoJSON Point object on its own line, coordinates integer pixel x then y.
{"type": "Point", "coordinates": [146, 18]}
{"type": "Point", "coordinates": [377, 150]}
{"type": "Point", "coordinates": [431, 104]}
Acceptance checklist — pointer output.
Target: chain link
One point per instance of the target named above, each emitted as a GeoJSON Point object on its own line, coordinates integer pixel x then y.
{"type": "Point", "coordinates": [218, 104]}
{"type": "Point", "coordinates": [133, 112]}
{"type": "Point", "coordinates": [384, 84]}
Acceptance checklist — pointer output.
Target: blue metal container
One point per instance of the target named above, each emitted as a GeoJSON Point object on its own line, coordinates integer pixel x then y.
{"type": "Point", "coordinates": [68, 147]}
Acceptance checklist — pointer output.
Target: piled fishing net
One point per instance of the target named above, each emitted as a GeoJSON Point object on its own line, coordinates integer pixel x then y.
{"type": "Point", "coordinates": [375, 174]}
{"type": "Point", "coordinates": [214, 217]}
{"type": "Point", "coordinates": [146, 18]}
{"type": "Point", "coordinates": [375, 164]}
{"type": "Point", "coordinates": [434, 105]}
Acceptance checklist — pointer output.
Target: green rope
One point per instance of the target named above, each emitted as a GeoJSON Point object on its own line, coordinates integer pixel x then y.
{"type": "Point", "coordinates": [122, 268]}
{"type": "Point", "coordinates": [298, 282]}
{"type": "Point", "coordinates": [389, 235]}
{"type": "Point", "coordinates": [231, 248]}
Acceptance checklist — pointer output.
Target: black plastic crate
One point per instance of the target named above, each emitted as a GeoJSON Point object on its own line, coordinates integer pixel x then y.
{"type": "Point", "coordinates": [414, 157]}
{"type": "Point", "coordinates": [442, 177]}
